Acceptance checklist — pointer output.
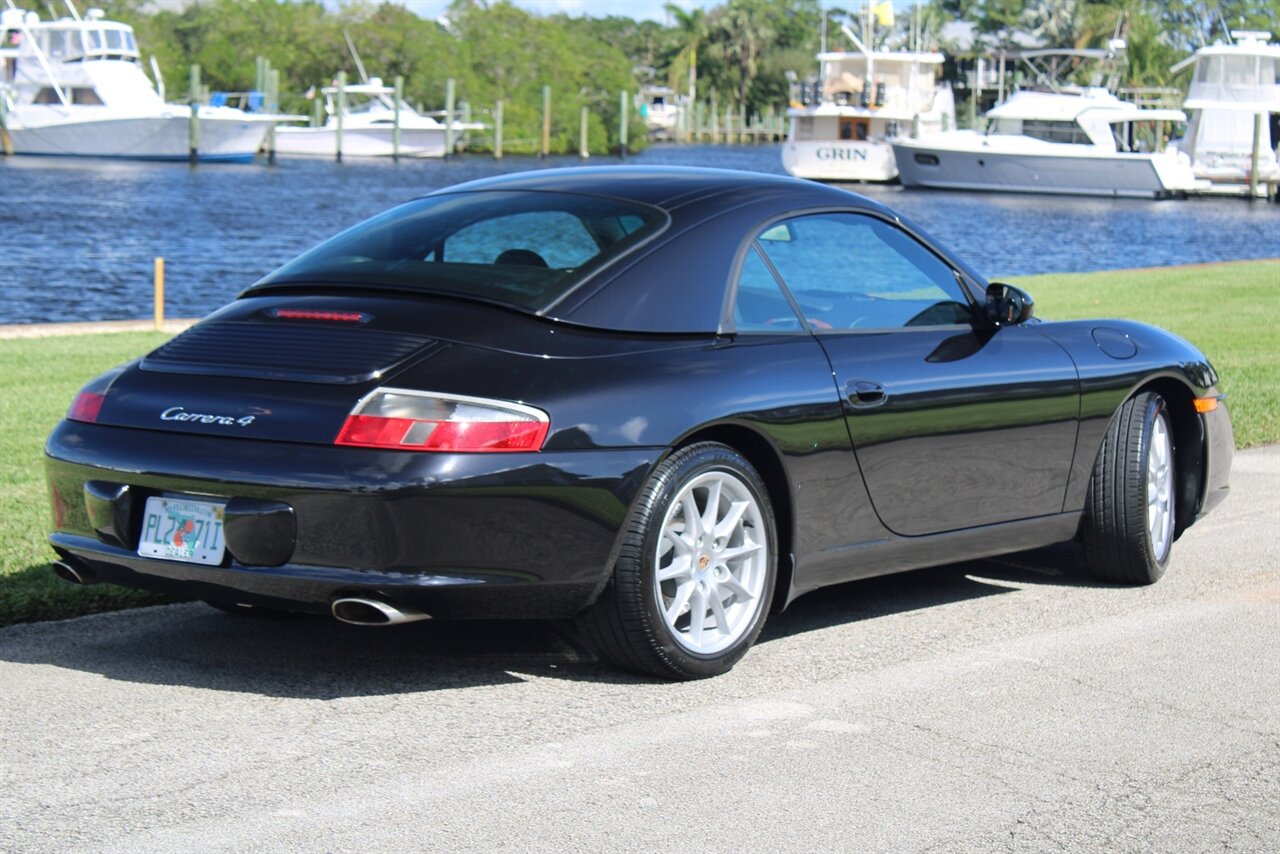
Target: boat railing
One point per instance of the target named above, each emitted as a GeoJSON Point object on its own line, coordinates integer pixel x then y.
{"type": "Point", "coordinates": [31, 46]}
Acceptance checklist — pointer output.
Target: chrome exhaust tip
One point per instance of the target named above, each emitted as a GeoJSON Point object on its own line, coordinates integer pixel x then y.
{"type": "Point", "coordinates": [68, 572]}
{"type": "Point", "coordinates": [359, 611]}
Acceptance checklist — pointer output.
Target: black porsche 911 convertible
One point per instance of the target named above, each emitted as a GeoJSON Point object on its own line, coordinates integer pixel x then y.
{"type": "Point", "coordinates": [659, 402]}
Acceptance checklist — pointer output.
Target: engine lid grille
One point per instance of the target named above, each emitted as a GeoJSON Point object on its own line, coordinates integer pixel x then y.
{"type": "Point", "coordinates": [283, 351]}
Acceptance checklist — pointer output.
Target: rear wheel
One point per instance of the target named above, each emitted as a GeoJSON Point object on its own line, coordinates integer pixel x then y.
{"type": "Point", "coordinates": [1129, 514]}
{"type": "Point", "coordinates": [693, 581]}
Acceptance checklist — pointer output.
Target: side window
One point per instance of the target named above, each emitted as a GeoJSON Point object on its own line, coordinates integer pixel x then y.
{"type": "Point", "coordinates": [558, 239]}
{"type": "Point", "coordinates": [849, 271]}
{"type": "Point", "coordinates": [761, 306]}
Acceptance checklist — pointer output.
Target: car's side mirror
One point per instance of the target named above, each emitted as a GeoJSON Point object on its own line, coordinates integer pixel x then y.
{"type": "Point", "coordinates": [1007, 305]}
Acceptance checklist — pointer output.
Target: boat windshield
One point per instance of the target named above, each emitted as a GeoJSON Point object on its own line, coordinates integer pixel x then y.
{"type": "Point", "coordinates": [1067, 132]}
{"type": "Point", "coordinates": [519, 248]}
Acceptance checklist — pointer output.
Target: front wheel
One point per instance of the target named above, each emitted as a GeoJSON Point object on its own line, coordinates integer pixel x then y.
{"type": "Point", "coordinates": [695, 575]}
{"type": "Point", "coordinates": [1129, 514]}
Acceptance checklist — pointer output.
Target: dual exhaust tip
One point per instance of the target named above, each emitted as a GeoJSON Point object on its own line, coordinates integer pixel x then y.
{"type": "Point", "coordinates": [356, 610]}
{"type": "Point", "coordinates": [71, 571]}
{"type": "Point", "coordinates": [361, 611]}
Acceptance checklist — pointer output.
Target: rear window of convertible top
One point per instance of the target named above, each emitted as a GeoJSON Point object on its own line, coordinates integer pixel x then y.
{"type": "Point", "coordinates": [521, 248]}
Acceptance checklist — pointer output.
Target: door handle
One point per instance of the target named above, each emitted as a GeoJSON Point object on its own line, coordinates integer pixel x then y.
{"type": "Point", "coordinates": [865, 394]}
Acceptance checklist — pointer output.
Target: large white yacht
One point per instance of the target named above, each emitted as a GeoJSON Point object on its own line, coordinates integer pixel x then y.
{"type": "Point", "coordinates": [368, 126]}
{"type": "Point", "coordinates": [1231, 85]}
{"type": "Point", "coordinates": [1056, 138]}
{"type": "Point", "coordinates": [843, 126]}
{"type": "Point", "coordinates": [74, 86]}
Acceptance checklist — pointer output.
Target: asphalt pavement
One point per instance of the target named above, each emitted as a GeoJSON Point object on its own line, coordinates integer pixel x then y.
{"type": "Point", "coordinates": [1000, 704]}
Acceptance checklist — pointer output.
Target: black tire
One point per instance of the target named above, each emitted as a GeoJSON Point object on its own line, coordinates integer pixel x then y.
{"type": "Point", "coordinates": [1118, 542]}
{"type": "Point", "coordinates": [626, 626]}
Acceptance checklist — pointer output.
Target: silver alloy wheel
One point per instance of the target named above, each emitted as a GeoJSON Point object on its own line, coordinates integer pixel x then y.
{"type": "Point", "coordinates": [711, 563]}
{"type": "Point", "coordinates": [1160, 488]}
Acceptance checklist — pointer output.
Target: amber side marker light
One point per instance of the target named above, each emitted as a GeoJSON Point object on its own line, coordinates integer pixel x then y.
{"type": "Point", "coordinates": [1206, 404]}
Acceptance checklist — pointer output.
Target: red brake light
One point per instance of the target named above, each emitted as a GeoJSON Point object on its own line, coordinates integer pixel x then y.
{"type": "Point", "coordinates": [320, 314]}
{"type": "Point", "coordinates": [420, 421]}
{"type": "Point", "coordinates": [86, 406]}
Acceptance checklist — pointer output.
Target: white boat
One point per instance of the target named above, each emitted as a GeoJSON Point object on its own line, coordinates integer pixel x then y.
{"type": "Point", "coordinates": [74, 87]}
{"type": "Point", "coordinates": [1051, 142]}
{"type": "Point", "coordinates": [866, 100]}
{"type": "Point", "coordinates": [1231, 84]}
{"type": "Point", "coordinates": [1058, 137]}
{"type": "Point", "coordinates": [842, 124]}
{"type": "Point", "coordinates": [661, 110]}
{"type": "Point", "coordinates": [368, 125]}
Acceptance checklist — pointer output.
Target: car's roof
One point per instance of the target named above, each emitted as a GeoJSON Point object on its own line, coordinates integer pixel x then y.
{"type": "Point", "coordinates": [669, 187]}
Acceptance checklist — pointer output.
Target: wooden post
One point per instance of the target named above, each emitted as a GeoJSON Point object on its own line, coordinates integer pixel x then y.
{"type": "Point", "coordinates": [395, 126]}
{"type": "Point", "coordinates": [497, 130]}
{"type": "Point", "coordinates": [715, 116]}
{"type": "Point", "coordinates": [273, 106]}
{"type": "Point", "coordinates": [193, 127]}
{"type": "Point", "coordinates": [975, 91]}
{"type": "Point", "coordinates": [545, 148]}
{"type": "Point", "coordinates": [341, 107]}
{"type": "Point", "coordinates": [624, 113]}
{"type": "Point", "coordinates": [582, 133]}
{"type": "Point", "coordinates": [6, 141]}
{"type": "Point", "coordinates": [1253, 161]}
{"type": "Point", "coordinates": [159, 294]}
{"type": "Point", "coordinates": [316, 109]}
{"type": "Point", "coordinates": [450, 92]}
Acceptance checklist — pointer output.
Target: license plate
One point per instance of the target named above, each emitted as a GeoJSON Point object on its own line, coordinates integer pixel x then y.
{"type": "Point", "coordinates": [183, 529]}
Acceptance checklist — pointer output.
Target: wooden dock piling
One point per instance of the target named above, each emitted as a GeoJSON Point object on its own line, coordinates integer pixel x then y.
{"type": "Point", "coordinates": [545, 148]}
{"type": "Point", "coordinates": [159, 294]}
{"type": "Point", "coordinates": [193, 126]}
{"type": "Point", "coordinates": [450, 93]}
{"type": "Point", "coordinates": [624, 113]}
{"type": "Point", "coordinates": [272, 104]}
{"type": "Point", "coordinates": [497, 130]}
{"type": "Point", "coordinates": [341, 102]}
{"type": "Point", "coordinates": [395, 125]}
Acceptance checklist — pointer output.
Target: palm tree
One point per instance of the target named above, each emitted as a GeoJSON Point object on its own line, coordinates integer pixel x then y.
{"type": "Point", "coordinates": [692, 24]}
{"type": "Point", "coordinates": [746, 36]}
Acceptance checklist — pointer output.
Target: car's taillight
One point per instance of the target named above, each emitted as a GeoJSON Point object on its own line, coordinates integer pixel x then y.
{"type": "Point", "coordinates": [86, 406]}
{"type": "Point", "coordinates": [422, 421]}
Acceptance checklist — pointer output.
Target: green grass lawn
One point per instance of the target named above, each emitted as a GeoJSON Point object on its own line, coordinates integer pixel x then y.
{"type": "Point", "coordinates": [1228, 310]}
{"type": "Point", "coordinates": [38, 378]}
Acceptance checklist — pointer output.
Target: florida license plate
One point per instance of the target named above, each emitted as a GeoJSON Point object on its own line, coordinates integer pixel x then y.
{"type": "Point", "coordinates": [183, 529]}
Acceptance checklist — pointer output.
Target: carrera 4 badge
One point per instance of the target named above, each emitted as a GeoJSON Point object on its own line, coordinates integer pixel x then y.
{"type": "Point", "coordinates": [178, 413]}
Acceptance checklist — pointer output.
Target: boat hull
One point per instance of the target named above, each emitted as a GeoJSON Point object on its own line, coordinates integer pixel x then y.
{"type": "Point", "coordinates": [359, 142]}
{"type": "Point", "coordinates": [140, 138]}
{"type": "Point", "coordinates": [1084, 174]}
{"type": "Point", "coordinates": [839, 160]}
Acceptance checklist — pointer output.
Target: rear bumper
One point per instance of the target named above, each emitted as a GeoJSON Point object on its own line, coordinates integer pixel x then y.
{"type": "Point", "coordinates": [475, 535]}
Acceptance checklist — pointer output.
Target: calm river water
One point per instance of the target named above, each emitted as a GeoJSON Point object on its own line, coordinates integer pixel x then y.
{"type": "Point", "coordinates": [77, 237]}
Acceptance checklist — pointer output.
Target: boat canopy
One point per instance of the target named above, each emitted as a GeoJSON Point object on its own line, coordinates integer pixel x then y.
{"type": "Point", "coordinates": [1244, 78]}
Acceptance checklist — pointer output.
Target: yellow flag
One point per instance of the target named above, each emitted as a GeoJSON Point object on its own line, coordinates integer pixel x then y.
{"type": "Point", "coordinates": [883, 12]}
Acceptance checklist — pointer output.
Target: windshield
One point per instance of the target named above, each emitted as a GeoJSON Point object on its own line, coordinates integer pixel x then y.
{"type": "Point", "coordinates": [521, 248]}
